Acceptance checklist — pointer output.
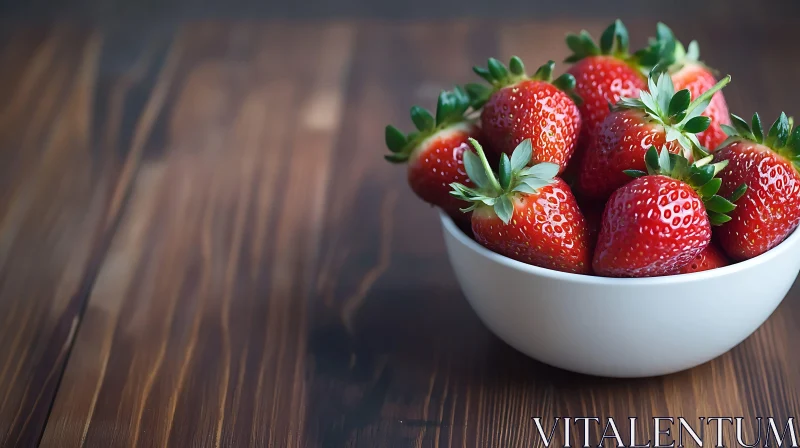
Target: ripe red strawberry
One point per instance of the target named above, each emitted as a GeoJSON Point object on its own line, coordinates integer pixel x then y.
{"type": "Point", "coordinates": [519, 107]}
{"type": "Point", "coordinates": [526, 214]}
{"type": "Point", "coordinates": [710, 258]}
{"type": "Point", "coordinates": [770, 165]}
{"type": "Point", "coordinates": [434, 152]}
{"type": "Point", "coordinates": [660, 117]}
{"type": "Point", "coordinates": [603, 75]}
{"type": "Point", "coordinates": [661, 221]}
{"type": "Point", "coordinates": [688, 72]}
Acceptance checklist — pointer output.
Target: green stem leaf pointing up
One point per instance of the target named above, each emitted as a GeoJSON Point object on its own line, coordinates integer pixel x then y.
{"type": "Point", "coordinates": [706, 96]}
{"type": "Point", "coordinates": [487, 168]}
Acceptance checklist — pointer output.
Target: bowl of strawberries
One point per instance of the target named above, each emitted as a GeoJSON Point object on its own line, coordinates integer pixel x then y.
{"type": "Point", "coordinates": [616, 220]}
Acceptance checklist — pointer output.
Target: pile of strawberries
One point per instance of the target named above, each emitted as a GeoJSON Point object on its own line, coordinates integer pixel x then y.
{"type": "Point", "coordinates": [620, 167]}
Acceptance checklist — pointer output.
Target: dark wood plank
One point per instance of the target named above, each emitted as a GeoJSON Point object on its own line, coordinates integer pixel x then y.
{"type": "Point", "coordinates": [48, 207]}
{"type": "Point", "coordinates": [56, 189]}
{"type": "Point", "coordinates": [195, 332]}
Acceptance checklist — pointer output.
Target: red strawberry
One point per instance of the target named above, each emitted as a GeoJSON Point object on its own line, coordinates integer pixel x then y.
{"type": "Point", "coordinates": [710, 258]}
{"type": "Point", "coordinates": [659, 222]}
{"type": "Point", "coordinates": [659, 117]}
{"type": "Point", "coordinates": [770, 166]}
{"type": "Point", "coordinates": [603, 75]}
{"type": "Point", "coordinates": [434, 152]}
{"type": "Point", "coordinates": [688, 72]}
{"type": "Point", "coordinates": [525, 213]}
{"type": "Point", "coordinates": [518, 107]}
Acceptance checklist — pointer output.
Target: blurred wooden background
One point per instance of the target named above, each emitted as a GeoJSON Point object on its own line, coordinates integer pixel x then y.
{"type": "Point", "coordinates": [148, 12]}
{"type": "Point", "coordinates": [200, 244]}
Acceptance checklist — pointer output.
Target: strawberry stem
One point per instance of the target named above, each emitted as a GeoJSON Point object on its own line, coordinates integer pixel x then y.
{"type": "Point", "coordinates": [487, 168]}
{"type": "Point", "coordinates": [706, 96]}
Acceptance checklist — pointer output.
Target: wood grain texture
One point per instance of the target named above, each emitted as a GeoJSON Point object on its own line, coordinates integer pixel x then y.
{"type": "Point", "coordinates": [200, 244]}
{"type": "Point", "coordinates": [50, 207]}
{"type": "Point", "coordinates": [60, 175]}
{"type": "Point", "coordinates": [198, 317]}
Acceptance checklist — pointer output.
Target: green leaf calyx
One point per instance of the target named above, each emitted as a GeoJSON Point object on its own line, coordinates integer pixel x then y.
{"type": "Point", "coordinates": [782, 137]}
{"type": "Point", "coordinates": [498, 76]}
{"type": "Point", "coordinates": [452, 108]}
{"type": "Point", "coordinates": [670, 55]}
{"type": "Point", "coordinates": [614, 41]}
{"type": "Point", "coordinates": [498, 190]}
{"type": "Point", "coordinates": [700, 175]}
{"type": "Point", "coordinates": [681, 118]}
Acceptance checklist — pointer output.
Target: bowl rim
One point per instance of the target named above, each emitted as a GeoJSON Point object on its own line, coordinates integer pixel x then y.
{"type": "Point", "coordinates": [450, 227]}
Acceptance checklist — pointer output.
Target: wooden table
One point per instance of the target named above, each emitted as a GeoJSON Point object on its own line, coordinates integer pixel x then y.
{"type": "Point", "coordinates": [201, 245]}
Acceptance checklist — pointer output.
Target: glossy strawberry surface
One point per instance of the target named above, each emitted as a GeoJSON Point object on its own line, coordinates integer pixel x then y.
{"type": "Point", "coordinates": [536, 110]}
{"type": "Point", "coordinates": [653, 226]}
{"type": "Point", "coordinates": [697, 79]}
{"type": "Point", "coordinates": [600, 80]}
{"type": "Point", "coordinates": [711, 257]}
{"type": "Point", "coordinates": [436, 163]}
{"type": "Point", "coordinates": [770, 208]}
{"type": "Point", "coordinates": [620, 144]}
{"type": "Point", "coordinates": [547, 230]}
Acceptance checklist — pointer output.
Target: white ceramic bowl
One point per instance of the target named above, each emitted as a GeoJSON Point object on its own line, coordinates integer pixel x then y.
{"type": "Point", "coordinates": [621, 327]}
